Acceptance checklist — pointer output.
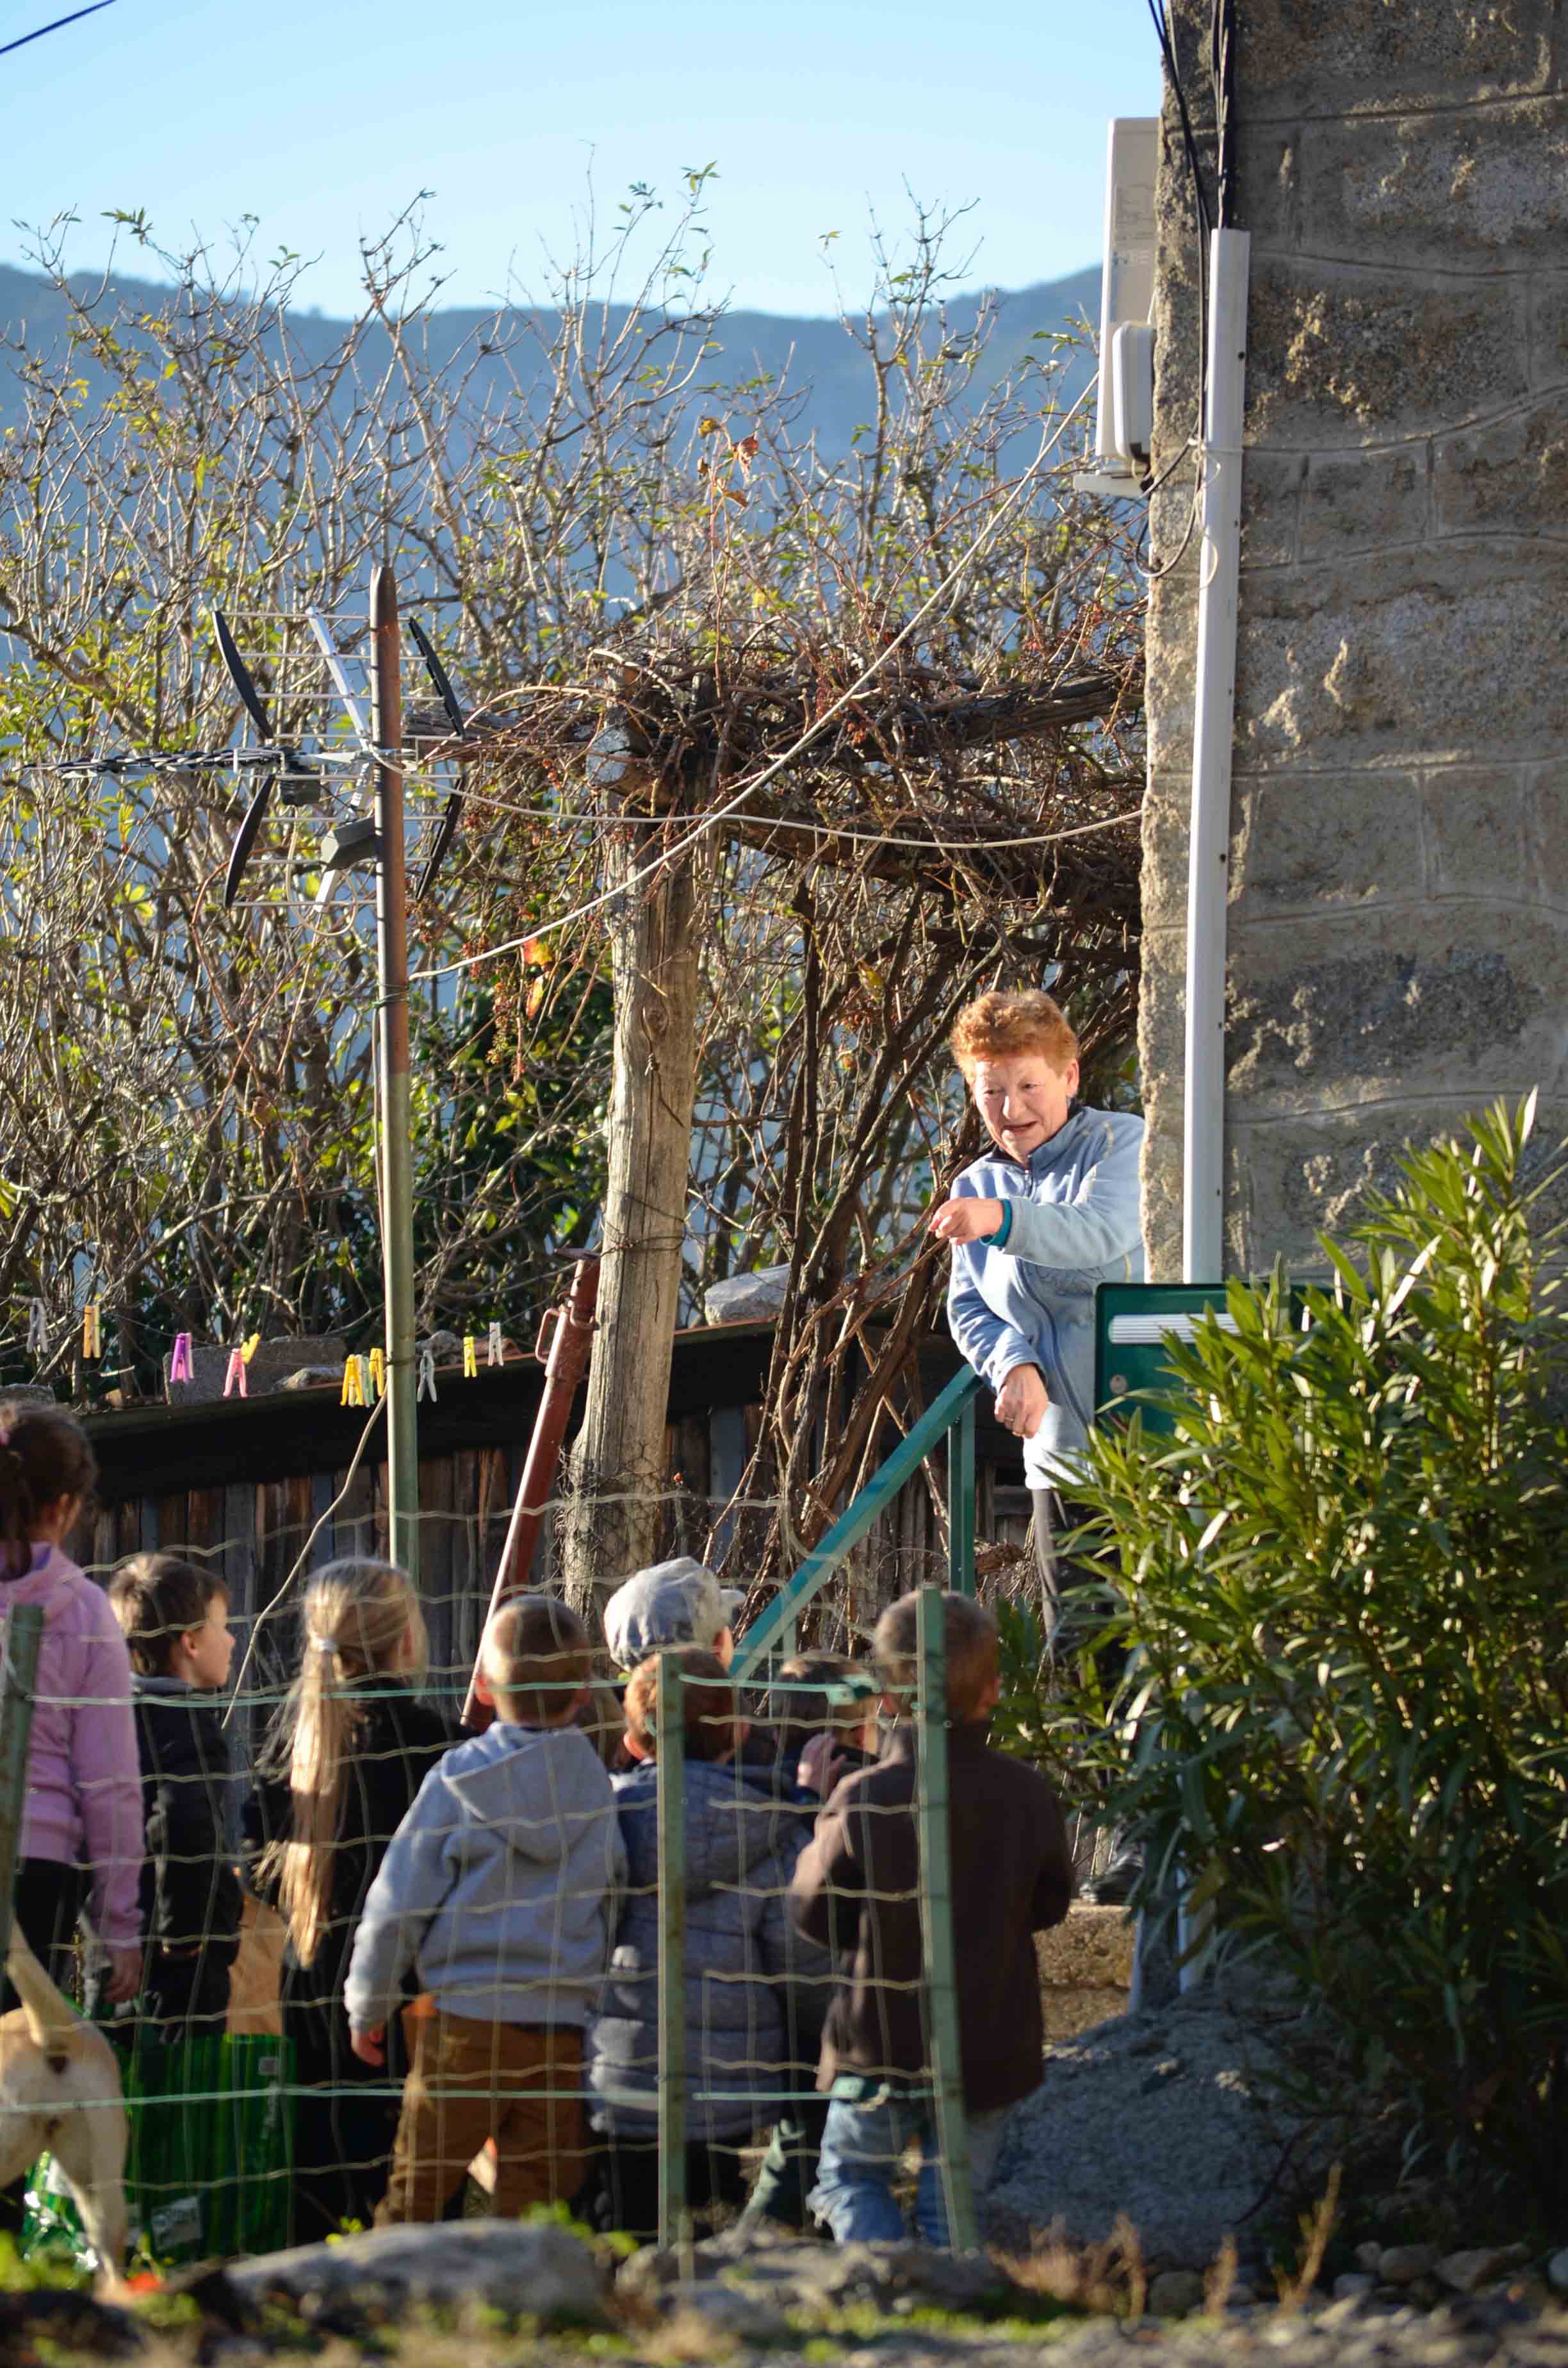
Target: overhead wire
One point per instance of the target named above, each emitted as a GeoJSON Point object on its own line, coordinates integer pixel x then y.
{"type": "Point", "coordinates": [788, 756]}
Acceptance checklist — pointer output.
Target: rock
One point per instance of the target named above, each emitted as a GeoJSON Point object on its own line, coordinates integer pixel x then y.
{"type": "Point", "coordinates": [784, 2273]}
{"type": "Point", "coordinates": [730, 2311]}
{"type": "Point", "coordinates": [540, 2269]}
{"type": "Point", "coordinates": [746, 1298]}
{"type": "Point", "coordinates": [1464, 2271]}
{"type": "Point", "coordinates": [1401, 2265]}
{"type": "Point", "coordinates": [1557, 2271]}
{"type": "Point", "coordinates": [1368, 2256]}
{"type": "Point", "coordinates": [1354, 2285]}
{"type": "Point", "coordinates": [1174, 2293]}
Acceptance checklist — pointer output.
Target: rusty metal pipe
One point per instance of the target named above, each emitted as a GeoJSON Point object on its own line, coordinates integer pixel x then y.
{"type": "Point", "coordinates": [566, 1361]}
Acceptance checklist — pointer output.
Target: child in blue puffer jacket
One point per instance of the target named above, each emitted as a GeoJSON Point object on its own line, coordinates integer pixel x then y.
{"type": "Point", "coordinates": [744, 1965]}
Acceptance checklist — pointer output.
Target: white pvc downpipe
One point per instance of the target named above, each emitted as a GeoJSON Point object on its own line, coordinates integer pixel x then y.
{"type": "Point", "coordinates": [1209, 851]}
{"type": "Point", "coordinates": [1214, 729]}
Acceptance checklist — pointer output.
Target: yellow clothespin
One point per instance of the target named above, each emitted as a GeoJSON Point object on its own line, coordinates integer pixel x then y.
{"type": "Point", "coordinates": [353, 1382]}
{"type": "Point", "coordinates": [248, 1347]}
{"type": "Point", "coordinates": [376, 1373]}
{"type": "Point", "coordinates": [92, 1330]}
{"type": "Point", "coordinates": [470, 1356]}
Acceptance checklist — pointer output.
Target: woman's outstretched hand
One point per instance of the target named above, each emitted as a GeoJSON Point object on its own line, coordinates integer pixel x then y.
{"type": "Point", "coordinates": [965, 1220]}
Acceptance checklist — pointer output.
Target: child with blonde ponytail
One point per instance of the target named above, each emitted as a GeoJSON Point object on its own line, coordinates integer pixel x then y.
{"type": "Point", "coordinates": [349, 1749]}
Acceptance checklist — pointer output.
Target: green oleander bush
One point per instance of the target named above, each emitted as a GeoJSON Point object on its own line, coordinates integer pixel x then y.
{"type": "Point", "coordinates": [1342, 1581]}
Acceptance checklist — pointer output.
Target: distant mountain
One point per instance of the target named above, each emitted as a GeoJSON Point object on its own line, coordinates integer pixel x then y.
{"type": "Point", "coordinates": [815, 353]}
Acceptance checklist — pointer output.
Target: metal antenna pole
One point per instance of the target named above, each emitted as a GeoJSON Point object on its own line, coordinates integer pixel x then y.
{"type": "Point", "coordinates": [396, 1162]}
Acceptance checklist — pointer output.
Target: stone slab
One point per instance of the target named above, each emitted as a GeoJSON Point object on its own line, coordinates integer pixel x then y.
{"type": "Point", "coordinates": [1508, 473]}
{"type": "Point", "coordinates": [1355, 502]}
{"type": "Point", "coordinates": [1404, 657]}
{"type": "Point", "coordinates": [1312, 842]}
{"type": "Point", "coordinates": [1337, 351]}
{"type": "Point", "coordinates": [1292, 1177]}
{"type": "Point", "coordinates": [1479, 183]}
{"type": "Point", "coordinates": [1368, 56]}
{"type": "Point", "coordinates": [1385, 1005]}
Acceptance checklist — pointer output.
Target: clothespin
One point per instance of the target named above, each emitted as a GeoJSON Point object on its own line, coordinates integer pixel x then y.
{"type": "Point", "coordinates": [427, 1376]}
{"type": "Point", "coordinates": [248, 1347]}
{"type": "Point", "coordinates": [495, 1353]}
{"type": "Point", "coordinates": [179, 1363]}
{"type": "Point", "coordinates": [92, 1330]}
{"type": "Point", "coordinates": [353, 1382]}
{"type": "Point", "coordinates": [376, 1375]}
{"type": "Point", "coordinates": [471, 1357]}
{"type": "Point", "coordinates": [235, 1376]}
{"type": "Point", "coordinates": [37, 1329]}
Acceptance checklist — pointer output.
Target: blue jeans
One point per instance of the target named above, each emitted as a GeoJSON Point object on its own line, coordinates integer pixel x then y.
{"type": "Point", "coordinates": [869, 2124]}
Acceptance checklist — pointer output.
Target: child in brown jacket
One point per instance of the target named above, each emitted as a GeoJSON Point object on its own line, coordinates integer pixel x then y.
{"type": "Point", "coordinates": [857, 1887]}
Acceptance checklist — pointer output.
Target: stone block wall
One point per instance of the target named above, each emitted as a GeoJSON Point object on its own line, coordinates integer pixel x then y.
{"type": "Point", "coordinates": [1398, 948]}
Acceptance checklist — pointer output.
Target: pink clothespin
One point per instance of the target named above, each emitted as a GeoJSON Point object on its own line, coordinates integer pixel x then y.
{"type": "Point", "coordinates": [179, 1363]}
{"type": "Point", "coordinates": [235, 1376]}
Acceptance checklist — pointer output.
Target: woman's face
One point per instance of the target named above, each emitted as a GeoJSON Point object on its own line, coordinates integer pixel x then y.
{"type": "Point", "coordinates": [1023, 1099]}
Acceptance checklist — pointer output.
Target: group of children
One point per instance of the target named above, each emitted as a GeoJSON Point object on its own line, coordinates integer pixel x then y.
{"type": "Point", "coordinates": [473, 1924]}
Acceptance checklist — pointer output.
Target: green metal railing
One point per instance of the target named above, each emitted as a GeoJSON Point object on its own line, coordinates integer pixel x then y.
{"type": "Point", "coordinates": [950, 1418]}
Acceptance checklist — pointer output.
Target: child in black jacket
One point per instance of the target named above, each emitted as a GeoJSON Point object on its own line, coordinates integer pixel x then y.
{"type": "Point", "coordinates": [174, 1619]}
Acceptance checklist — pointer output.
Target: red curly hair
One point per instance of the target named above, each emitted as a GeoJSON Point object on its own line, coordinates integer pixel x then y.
{"type": "Point", "coordinates": [995, 1026]}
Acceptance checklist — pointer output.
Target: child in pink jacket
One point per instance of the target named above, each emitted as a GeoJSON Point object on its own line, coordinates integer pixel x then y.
{"type": "Point", "coordinates": [82, 1838]}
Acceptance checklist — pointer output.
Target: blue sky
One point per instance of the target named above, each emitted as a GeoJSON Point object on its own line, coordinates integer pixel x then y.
{"type": "Point", "coordinates": [324, 120]}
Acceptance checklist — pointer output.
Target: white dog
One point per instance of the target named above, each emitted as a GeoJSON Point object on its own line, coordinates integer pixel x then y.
{"type": "Point", "coordinates": [59, 2090]}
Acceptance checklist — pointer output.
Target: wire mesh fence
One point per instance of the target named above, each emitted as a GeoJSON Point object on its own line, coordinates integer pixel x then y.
{"type": "Point", "coordinates": [597, 1955]}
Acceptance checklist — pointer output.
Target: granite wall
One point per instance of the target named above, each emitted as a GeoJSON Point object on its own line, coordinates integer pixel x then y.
{"type": "Point", "coordinates": [1399, 823]}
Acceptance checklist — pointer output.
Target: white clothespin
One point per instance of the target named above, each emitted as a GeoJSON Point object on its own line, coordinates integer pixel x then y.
{"type": "Point", "coordinates": [427, 1388]}
{"type": "Point", "coordinates": [38, 1328]}
{"type": "Point", "coordinates": [494, 1354]}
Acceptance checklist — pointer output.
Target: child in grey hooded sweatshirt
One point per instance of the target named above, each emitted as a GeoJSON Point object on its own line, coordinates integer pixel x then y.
{"type": "Point", "coordinates": [499, 1886]}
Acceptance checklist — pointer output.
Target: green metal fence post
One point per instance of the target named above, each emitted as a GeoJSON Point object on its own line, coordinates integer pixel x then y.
{"type": "Point", "coordinates": [936, 1918]}
{"type": "Point", "coordinates": [960, 1501]}
{"type": "Point", "coordinates": [24, 1633]}
{"type": "Point", "coordinates": [765, 1634]}
{"type": "Point", "coordinates": [674, 2216]}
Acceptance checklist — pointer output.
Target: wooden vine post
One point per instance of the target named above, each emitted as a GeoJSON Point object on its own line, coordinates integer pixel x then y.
{"type": "Point", "coordinates": [619, 1462]}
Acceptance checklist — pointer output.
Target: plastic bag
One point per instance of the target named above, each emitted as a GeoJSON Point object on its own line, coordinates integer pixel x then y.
{"type": "Point", "coordinates": [210, 2170]}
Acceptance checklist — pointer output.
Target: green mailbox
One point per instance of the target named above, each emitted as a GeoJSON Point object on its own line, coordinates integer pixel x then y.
{"type": "Point", "coordinates": [1133, 1323]}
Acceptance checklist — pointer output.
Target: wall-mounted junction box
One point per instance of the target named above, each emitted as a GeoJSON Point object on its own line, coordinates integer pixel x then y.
{"type": "Point", "coordinates": [1124, 420]}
